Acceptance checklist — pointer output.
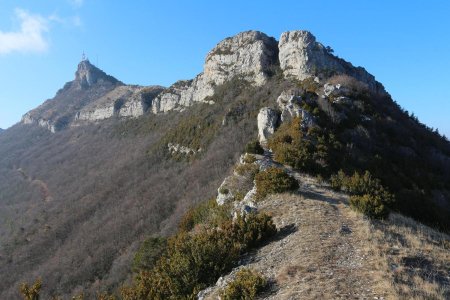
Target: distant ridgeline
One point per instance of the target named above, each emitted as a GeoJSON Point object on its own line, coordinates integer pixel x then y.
{"type": "Point", "coordinates": [123, 162]}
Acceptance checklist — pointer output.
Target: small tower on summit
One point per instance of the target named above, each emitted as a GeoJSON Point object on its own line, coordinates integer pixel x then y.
{"type": "Point", "coordinates": [84, 57]}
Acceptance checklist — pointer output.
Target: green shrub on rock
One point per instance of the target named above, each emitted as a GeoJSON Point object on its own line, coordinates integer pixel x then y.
{"type": "Point", "coordinates": [291, 147]}
{"type": "Point", "coordinates": [272, 181]}
{"type": "Point", "coordinates": [248, 170]}
{"type": "Point", "coordinates": [245, 286]}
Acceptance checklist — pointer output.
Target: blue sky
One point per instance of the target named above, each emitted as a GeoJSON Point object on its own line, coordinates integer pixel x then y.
{"type": "Point", "coordinates": [405, 44]}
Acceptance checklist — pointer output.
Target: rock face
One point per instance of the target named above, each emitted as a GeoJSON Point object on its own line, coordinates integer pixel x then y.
{"type": "Point", "coordinates": [301, 56]}
{"type": "Point", "coordinates": [139, 102]}
{"type": "Point", "coordinates": [249, 55]}
{"type": "Point", "coordinates": [268, 120]}
{"type": "Point", "coordinates": [290, 103]}
{"type": "Point", "coordinates": [87, 75]}
{"type": "Point", "coordinates": [123, 101]}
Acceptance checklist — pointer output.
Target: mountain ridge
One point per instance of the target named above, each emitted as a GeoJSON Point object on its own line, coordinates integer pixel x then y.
{"type": "Point", "coordinates": [126, 162]}
{"type": "Point", "coordinates": [249, 55]}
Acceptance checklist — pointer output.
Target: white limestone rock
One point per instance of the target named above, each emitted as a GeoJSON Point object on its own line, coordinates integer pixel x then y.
{"type": "Point", "coordinates": [123, 101]}
{"type": "Point", "coordinates": [248, 55]}
{"type": "Point", "coordinates": [47, 124]}
{"type": "Point", "coordinates": [88, 75]}
{"type": "Point", "coordinates": [179, 94]}
{"type": "Point", "coordinates": [177, 148]}
{"type": "Point", "coordinates": [107, 106]}
{"type": "Point", "coordinates": [139, 102]}
{"type": "Point", "coordinates": [250, 197]}
{"type": "Point", "coordinates": [268, 120]}
{"type": "Point", "coordinates": [224, 194]}
{"type": "Point", "coordinates": [290, 103]}
{"type": "Point", "coordinates": [27, 119]}
{"type": "Point", "coordinates": [301, 56]}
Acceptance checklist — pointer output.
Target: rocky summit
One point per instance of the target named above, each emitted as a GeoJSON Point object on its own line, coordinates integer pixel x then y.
{"type": "Point", "coordinates": [281, 171]}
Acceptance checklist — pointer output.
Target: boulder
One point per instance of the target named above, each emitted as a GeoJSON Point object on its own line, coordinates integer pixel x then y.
{"type": "Point", "coordinates": [268, 120]}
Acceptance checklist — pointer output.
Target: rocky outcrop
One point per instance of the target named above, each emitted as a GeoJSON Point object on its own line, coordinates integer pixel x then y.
{"type": "Point", "coordinates": [92, 96]}
{"type": "Point", "coordinates": [175, 97]}
{"type": "Point", "coordinates": [177, 148]}
{"type": "Point", "coordinates": [87, 75]}
{"type": "Point", "coordinates": [268, 120]}
{"type": "Point", "coordinates": [123, 101]}
{"type": "Point", "coordinates": [301, 56]}
{"type": "Point", "coordinates": [248, 55]}
{"type": "Point", "coordinates": [233, 188]}
{"type": "Point", "coordinates": [224, 195]}
{"type": "Point", "coordinates": [290, 104]}
{"type": "Point", "coordinates": [139, 102]}
{"type": "Point", "coordinates": [47, 124]}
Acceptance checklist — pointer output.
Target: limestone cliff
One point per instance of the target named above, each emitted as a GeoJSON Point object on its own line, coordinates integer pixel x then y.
{"type": "Point", "coordinates": [301, 56]}
{"type": "Point", "coordinates": [251, 56]}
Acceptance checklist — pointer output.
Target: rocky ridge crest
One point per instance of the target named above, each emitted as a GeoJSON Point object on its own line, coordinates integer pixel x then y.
{"type": "Point", "coordinates": [251, 56]}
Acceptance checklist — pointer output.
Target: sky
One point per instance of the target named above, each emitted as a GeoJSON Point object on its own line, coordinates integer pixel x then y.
{"type": "Point", "coordinates": [404, 44]}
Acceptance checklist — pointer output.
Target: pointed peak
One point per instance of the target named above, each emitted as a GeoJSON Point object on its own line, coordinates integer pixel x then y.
{"type": "Point", "coordinates": [87, 74]}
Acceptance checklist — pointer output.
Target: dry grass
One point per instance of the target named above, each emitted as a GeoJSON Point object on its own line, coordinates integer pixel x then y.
{"type": "Point", "coordinates": [325, 250]}
{"type": "Point", "coordinates": [416, 257]}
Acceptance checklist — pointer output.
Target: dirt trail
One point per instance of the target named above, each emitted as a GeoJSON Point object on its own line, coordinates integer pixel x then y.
{"type": "Point", "coordinates": [325, 256]}
{"type": "Point", "coordinates": [321, 251]}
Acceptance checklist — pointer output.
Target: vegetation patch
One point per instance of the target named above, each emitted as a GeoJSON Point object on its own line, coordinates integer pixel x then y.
{"type": "Point", "coordinates": [208, 214]}
{"type": "Point", "coordinates": [254, 147]}
{"type": "Point", "coordinates": [148, 253]}
{"type": "Point", "coordinates": [272, 181]}
{"type": "Point", "coordinates": [249, 158]}
{"type": "Point", "coordinates": [249, 170]}
{"type": "Point", "coordinates": [195, 131]}
{"type": "Point", "coordinates": [247, 285]}
{"type": "Point", "coordinates": [311, 151]}
{"type": "Point", "coordinates": [367, 194]}
{"type": "Point", "coordinates": [194, 261]}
